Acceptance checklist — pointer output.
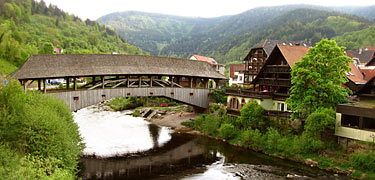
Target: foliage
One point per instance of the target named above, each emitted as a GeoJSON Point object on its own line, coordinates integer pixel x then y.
{"type": "Point", "coordinates": [219, 96]}
{"type": "Point", "coordinates": [229, 38]}
{"type": "Point", "coordinates": [47, 48]}
{"type": "Point", "coordinates": [252, 116]}
{"type": "Point", "coordinates": [125, 103]}
{"type": "Point", "coordinates": [317, 79]}
{"type": "Point", "coordinates": [136, 113]}
{"type": "Point", "coordinates": [253, 138]}
{"type": "Point", "coordinates": [363, 161]}
{"type": "Point", "coordinates": [30, 27]}
{"type": "Point", "coordinates": [357, 39]}
{"type": "Point", "coordinates": [227, 131]}
{"type": "Point", "coordinates": [318, 122]}
{"type": "Point", "coordinates": [40, 128]}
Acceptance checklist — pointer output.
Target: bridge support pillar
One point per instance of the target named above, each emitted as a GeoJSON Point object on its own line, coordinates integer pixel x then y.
{"type": "Point", "coordinates": [67, 83]}
{"type": "Point", "coordinates": [39, 84]}
{"type": "Point", "coordinates": [44, 86]}
{"type": "Point", "coordinates": [200, 110]}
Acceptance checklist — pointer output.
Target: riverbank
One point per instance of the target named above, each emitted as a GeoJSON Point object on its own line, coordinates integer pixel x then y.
{"type": "Point", "coordinates": [270, 139]}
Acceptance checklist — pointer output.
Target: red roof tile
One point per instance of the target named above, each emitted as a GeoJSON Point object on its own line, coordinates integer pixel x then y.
{"type": "Point", "coordinates": [204, 58]}
{"type": "Point", "coordinates": [293, 54]}
{"type": "Point", "coordinates": [356, 75]}
{"type": "Point", "coordinates": [369, 73]}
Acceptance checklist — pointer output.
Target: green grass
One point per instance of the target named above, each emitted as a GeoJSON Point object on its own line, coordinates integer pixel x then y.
{"type": "Point", "coordinates": [6, 67]}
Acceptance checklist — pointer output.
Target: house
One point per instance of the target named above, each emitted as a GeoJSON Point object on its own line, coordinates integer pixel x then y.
{"type": "Point", "coordinates": [271, 86]}
{"type": "Point", "coordinates": [362, 56]}
{"type": "Point", "coordinates": [356, 120]}
{"type": "Point", "coordinates": [236, 74]}
{"type": "Point", "coordinates": [58, 50]}
{"type": "Point", "coordinates": [257, 56]}
{"type": "Point", "coordinates": [218, 67]}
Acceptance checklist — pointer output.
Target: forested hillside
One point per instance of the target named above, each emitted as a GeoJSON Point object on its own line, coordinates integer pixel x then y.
{"type": "Point", "coordinates": [29, 27]}
{"type": "Point", "coordinates": [229, 38]}
{"type": "Point", "coordinates": [152, 32]}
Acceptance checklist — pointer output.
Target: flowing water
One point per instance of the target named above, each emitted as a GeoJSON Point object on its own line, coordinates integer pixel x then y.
{"type": "Point", "coordinates": [120, 146]}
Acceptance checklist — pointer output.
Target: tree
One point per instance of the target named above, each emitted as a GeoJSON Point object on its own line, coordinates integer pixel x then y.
{"type": "Point", "coordinates": [318, 78]}
{"type": "Point", "coordinates": [47, 48]}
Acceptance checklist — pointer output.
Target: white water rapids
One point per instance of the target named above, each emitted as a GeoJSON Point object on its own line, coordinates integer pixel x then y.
{"type": "Point", "coordinates": [109, 134]}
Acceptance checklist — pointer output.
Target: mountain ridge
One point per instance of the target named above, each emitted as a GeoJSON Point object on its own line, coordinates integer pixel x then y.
{"type": "Point", "coordinates": [225, 38]}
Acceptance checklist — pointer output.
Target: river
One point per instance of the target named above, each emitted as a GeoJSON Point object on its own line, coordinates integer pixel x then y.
{"type": "Point", "coordinates": [119, 146]}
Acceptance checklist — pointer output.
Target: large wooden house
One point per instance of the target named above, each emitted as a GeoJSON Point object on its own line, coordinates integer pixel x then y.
{"type": "Point", "coordinates": [271, 86]}
{"type": "Point", "coordinates": [258, 55]}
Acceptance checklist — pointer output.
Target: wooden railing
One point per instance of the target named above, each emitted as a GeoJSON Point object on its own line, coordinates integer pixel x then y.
{"type": "Point", "coordinates": [277, 69]}
{"type": "Point", "coordinates": [247, 92]}
{"type": "Point", "coordinates": [275, 82]}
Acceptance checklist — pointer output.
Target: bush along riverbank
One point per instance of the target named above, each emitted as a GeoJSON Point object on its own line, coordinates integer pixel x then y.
{"type": "Point", "coordinates": [38, 137]}
{"type": "Point", "coordinates": [314, 144]}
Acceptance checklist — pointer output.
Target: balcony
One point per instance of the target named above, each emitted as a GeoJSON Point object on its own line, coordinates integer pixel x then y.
{"type": "Point", "coordinates": [275, 82]}
{"type": "Point", "coordinates": [273, 69]}
{"type": "Point", "coordinates": [247, 93]}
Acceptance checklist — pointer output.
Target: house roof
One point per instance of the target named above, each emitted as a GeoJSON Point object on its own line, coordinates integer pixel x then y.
{"type": "Point", "coordinates": [204, 58]}
{"type": "Point", "coordinates": [369, 73]}
{"type": "Point", "coordinates": [364, 54]}
{"type": "Point", "coordinates": [371, 62]}
{"type": "Point", "coordinates": [292, 54]}
{"type": "Point", "coordinates": [235, 68]}
{"type": "Point", "coordinates": [355, 74]}
{"type": "Point", "coordinates": [80, 65]}
{"type": "Point", "coordinates": [370, 84]}
{"type": "Point", "coordinates": [269, 45]}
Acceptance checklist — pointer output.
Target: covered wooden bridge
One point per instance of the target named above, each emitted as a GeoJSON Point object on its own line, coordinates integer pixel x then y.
{"type": "Point", "coordinates": [108, 76]}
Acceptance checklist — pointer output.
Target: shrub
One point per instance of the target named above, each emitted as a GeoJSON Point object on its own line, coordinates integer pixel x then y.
{"type": "Point", "coordinates": [253, 139]}
{"type": "Point", "coordinates": [363, 161]}
{"type": "Point", "coordinates": [319, 122]}
{"type": "Point", "coordinates": [39, 125]}
{"type": "Point", "coordinates": [252, 116]}
{"type": "Point", "coordinates": [227, 131]}
{"type": "Point", "coordinates": [221, 112]}
{"type": "Point", "coordinates": [219, 96]}
{"type": "Point", "coordinates": [211, 124]}
{"type": "Point", "coordinates": [136, 113]}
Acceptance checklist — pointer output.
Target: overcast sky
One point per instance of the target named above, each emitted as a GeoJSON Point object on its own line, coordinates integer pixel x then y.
{"type": "Point", "coordinates": [93, 9]}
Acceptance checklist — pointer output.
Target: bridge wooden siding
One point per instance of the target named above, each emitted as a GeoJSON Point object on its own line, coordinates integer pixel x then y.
{"type": "Point", "coordinates": [83, 98]}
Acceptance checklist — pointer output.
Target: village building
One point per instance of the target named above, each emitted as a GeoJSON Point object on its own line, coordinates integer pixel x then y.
{"type": "Point", "coordinates": [218, 67]}
{"type": "Point", "coordinates": [356, 120]}
{"type": "Point", "coordinates": [257, 56]}
{"type": "Point", "coordinates": [271, 86]}
{"type": "Point", "coordinates": [362, 56]}
{"type": "Point", "coordinates": [58, 50]}
{"type": "Point", "coordinates": [236, 74]}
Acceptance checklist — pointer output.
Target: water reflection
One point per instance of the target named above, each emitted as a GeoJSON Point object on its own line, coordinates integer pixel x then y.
{"type": "Point", "coordinates": [189, 157]}
{"type": "Point", "coordinates": [154, 134]}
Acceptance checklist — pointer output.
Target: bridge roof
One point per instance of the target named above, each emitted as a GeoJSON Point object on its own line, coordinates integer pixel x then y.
{"type": "Point", "coordinates": [80, 65]}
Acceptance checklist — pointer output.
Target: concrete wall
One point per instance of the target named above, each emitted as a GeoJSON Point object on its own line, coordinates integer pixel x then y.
{"type": "Point", "coordinates": [352, 133]}
{"type": "Point", "coordinates": [79, 99]}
